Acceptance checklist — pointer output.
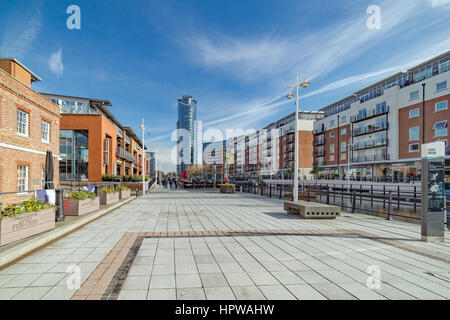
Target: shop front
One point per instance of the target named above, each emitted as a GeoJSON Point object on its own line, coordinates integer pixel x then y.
{"type": "Point", "coordinates": [407, 171]}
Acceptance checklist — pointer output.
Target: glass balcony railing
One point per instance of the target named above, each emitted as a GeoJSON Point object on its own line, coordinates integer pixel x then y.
{"type": "Point", "coordinates": [370, 114]}
{"type": "Point", "coordinates": [370, 157]}
{"type": "Point", "coordinates": [370, 129]}
{"type": "Point", "coordinates": [122, 153]}
{"type": "Point", "coordinates": [370, 144]}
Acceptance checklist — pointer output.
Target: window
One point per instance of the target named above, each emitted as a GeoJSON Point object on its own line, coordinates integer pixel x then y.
{"type": "Point", "coordinates": [332, 148]}
{"type": "Point", "coordinates": [441, 86]}
{"type": "Point", "coordinates": [344, 146]}
{"type": "Point", "coordinates": [414, 95]}
{"type": "Point", "coordinates": [343, 119]}
{"type": "Point", "coordinates": [413, 133]}
{"type": "Point", "coordinates": [331, 134]}
{"type": "Point", "coordinates": [332, 123]}
{"type": "Point", "coordinates": [414, 113]}
{"type": "Point", "coordinates": [414, 147]}
{"type": "Point", "coordinates": [45, 131]}
{"type": "Point", "coordinates": [332, 157]}
{"type": "Point", "coordinates": [22, 123]}
{"type": "Point", "coordinates": [343, 132]}
{"type": "Point", "coordinates": [106, 151]}
{"type": "Point", "coordinates": [440, 129]}
{"type": "Point", "coordinates": [441, 106]}
{"type": "Point", "coordinates": [343, 156]}
{"type": "Point", "coordinates": [22, 178]}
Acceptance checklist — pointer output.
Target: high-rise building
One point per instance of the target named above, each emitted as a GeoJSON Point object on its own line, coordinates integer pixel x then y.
{"type": "Point", "coordinates": [188, 134]}
{"type": "Point", "coordinates": [151, 170]}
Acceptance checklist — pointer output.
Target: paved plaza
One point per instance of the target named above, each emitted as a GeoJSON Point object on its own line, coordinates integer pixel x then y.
{"type": "Point", "coordinates": [176, 244]}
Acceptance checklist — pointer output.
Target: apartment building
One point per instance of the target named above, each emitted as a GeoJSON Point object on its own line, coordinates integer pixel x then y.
{"type": "Point", "coordinates": [92, 142]}
{"type": "Point", "coordinates": [29, 127]}
{"type": "Point", "coordinates": [270, 151]}
{"type": "Point", "coordinates": [376, 133]}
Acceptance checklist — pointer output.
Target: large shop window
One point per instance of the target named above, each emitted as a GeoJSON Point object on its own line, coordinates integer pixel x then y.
{"type": "Point", "coordinates": [74, 153]}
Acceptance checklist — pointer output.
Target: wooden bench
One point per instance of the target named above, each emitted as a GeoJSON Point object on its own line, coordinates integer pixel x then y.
{"type": "Point", "coordinates": [312, 210]}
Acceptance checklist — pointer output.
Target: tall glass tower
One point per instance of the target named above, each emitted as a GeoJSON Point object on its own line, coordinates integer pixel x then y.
{"type": "Point", "coordinates": [187, 116]}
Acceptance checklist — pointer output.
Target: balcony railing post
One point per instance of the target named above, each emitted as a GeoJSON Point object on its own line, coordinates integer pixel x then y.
{"type": "Point", "coordinates": [389, 217]}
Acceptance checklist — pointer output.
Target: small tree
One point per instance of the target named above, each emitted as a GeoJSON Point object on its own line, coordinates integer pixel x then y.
{"type": "Point", "coordinates": [316, 170]}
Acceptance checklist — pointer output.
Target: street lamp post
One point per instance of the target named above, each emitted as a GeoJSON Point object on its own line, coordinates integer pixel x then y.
{"type": "Point", "coordinates": [303, 84]}
{"type": "Point", "coordinates": [143, 157]}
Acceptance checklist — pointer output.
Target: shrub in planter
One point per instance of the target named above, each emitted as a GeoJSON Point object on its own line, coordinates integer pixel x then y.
{"type": "Point", "coordinates": [108, 196]}
{"type": "Point", "coordinates": [124, 192]}
{"type": "Point", "coordinates": [81, 202]}
{"type": "Point", "coordinates": [23, 220]}
{"type": "Point", "coordinates": [227, 188]}
{"type": "Point", "coordinates": [107, 177]}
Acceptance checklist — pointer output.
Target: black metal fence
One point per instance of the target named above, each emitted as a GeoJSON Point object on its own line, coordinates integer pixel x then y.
{"type": "Point", "coordinates": [398, 201]}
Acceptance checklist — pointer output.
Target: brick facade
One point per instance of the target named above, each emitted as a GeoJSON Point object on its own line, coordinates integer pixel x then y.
{"type": "Point", "coordinates": [28, 150]}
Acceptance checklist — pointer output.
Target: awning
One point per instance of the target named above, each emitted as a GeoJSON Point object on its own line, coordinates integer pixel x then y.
{"type": "Point", "coordinates": [49, 171]}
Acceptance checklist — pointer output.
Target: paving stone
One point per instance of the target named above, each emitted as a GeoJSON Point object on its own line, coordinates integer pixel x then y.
{"type": "Point", "coordinates": [213, 280]}
{"type": "Point", "coordinates": [188, 281]}
{"type": "Point", "coordinates": [276, 292]}
{"type": "Point", "coordinates": [161, 294]}
{"type": "Point", "coordinates": [191, 294]}
{"type": "Point", "coordinates": [262, 278]}
{"type": "Point", "coordinates": [136, 283]}
{"type": "Point", "coordinates": [219, 293]}
{"type": "Point", "coordinates": [287, 278]}
{"type": "Point", "coordinates": [162, 282]}
{"type": "Point", "coordinates": [332, 291]}
{"type": "Point", "coordinates": [305, 292]}
{"type": "Point", "coordinates": [132, 295]}
{"type": "Point", "coordinates": [248, 293]}
{"type": "Point", "coordinates": [239, 279]}
{"type": "Point", "coordinates": [35, 293]}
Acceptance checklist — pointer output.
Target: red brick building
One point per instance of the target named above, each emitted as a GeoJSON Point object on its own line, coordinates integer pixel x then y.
{"type": "Point", "coordinates": [29, 127]}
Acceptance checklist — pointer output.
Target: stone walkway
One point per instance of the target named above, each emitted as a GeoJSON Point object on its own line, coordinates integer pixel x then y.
{"type": "Point", "coordinates": [204, 245]}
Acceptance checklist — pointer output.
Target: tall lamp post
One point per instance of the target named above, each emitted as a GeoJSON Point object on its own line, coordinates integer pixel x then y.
{"type": "Point", "coordinates": [303, 84]}
{"type": "Point", "coordinates": [143, 157]}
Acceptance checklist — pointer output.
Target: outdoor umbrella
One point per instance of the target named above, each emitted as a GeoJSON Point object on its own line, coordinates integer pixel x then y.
{"type": "Point", "coordinates": [49, 171]}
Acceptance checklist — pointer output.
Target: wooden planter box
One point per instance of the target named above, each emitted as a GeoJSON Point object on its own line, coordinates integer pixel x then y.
{"type": "Point", "coordinates": [124, 194]}
{"type": "Point", "coordinates": [80, 207]}
{"type": "Point", "coordinates": [26, 225]}
{"type": "Point", "coordinates": [227, 189]}
{"type": "Point", "coordinates": [109, 198]}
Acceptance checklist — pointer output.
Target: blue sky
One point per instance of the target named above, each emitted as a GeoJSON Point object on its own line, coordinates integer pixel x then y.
{"type": "Point", "coordinates": [237, 58]}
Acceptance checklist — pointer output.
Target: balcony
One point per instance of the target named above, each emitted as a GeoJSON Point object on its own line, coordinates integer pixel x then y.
{"type": "Point", "coordinates": [370, 158]}
{"type": "Point", "coordinates": [369, 129]}
{"type": "Point", "coordinates": [319, 153]}
{"type": "Point", "coordinates": [319, 130]}
{"type": "Point", "coordinates": [319, 142]}
{"type": "Point", "coordinates": [122, 153]}
{"type": "Point", "coordinates": [369, 114]}
{"type": "Point", "coordinates": [370, 144]}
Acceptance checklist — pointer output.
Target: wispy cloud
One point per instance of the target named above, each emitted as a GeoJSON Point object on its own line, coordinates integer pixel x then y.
{"type": "Point", "coordinates": [55, 63]}
{"type": "Point", "coordinates": [439, 3]}
{"type": "Point", "coordinates": [20, 31]}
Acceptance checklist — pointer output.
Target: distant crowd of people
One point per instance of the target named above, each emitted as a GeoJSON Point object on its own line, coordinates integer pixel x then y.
{"type": "Point", "coordinates": [169, 183]}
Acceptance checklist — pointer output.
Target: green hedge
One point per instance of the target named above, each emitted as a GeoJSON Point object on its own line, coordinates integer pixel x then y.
{"type": "Point", "coordinates": [107, 191]}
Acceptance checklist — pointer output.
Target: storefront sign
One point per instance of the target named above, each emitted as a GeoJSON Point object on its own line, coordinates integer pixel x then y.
{"type": "Point", "coordinates": [14, 141]}
{"type": "Point", "coordinates": [433, 150]}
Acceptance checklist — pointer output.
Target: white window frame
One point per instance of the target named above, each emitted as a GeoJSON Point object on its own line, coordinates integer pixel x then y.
{"type": "Point", "coordinates": [26, 124]}
{"type": "Point", "coordinates": [331, 157]}
{"type": "Point", "coordinates": [409, 133]}
{"type": "Point", "coordinates": [414, 116]}
{"type": "Point", "coordinates": [437, 90]}
{"type": "Point", "coordinates": [43, 123]}
{"type": "Point", "coordinates": [343, 131]}
{"type": "Point", "coordinates": [444, 127]}
{"type": "Point", "coordinates": [22, 177]}
{"type": "Point", "coordinates": [344, 145]}
{"type": "Point", "coordinates": [332, 135]}
{"type": "Point", "coordinates": [436, 106]}
{"type": "Point", "coordinates": [414, 92]}
{"type": "Point", "coordinates": [414, 144]}
{"type": "Point", "coordinates": [332, 148]}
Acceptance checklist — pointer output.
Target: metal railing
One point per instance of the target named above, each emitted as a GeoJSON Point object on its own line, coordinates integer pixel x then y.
{"type": "Point", "coordinates": [122, 153]}
{"type": "Point", "coordinates": [392, 201]}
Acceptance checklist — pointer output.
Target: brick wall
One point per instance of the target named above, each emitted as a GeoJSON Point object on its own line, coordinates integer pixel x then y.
{"type": "Point", "coordinates": [431, 118]}
{"type": "Point", "coordinates": [30, 150]}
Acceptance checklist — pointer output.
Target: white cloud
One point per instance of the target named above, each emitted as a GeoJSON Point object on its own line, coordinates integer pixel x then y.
{"type": "Point", "coordinates": [55, 63]}
{"type": "Point", "coordinates": [438, 3]}
{"type": "Point", "coordinates": [20, 30]}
